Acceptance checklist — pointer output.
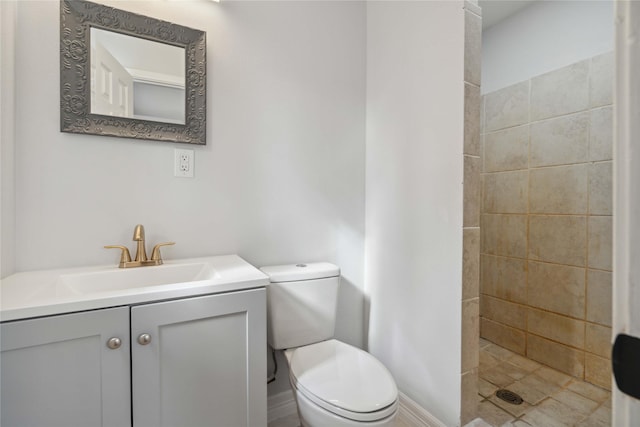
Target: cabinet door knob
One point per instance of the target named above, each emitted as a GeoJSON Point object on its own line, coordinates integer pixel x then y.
{"type": "Point", "coordinates": [114, 343]}
{"type": "Point", "coordinates": [144, 339]}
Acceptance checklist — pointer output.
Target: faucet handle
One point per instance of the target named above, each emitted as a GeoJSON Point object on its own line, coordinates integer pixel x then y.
{"type": "Point", "coordinates": [125, 256]}
{"type": "Point", "coordinates": [155, 254]}
{"type": "Point", "coordinates": [138, 233]}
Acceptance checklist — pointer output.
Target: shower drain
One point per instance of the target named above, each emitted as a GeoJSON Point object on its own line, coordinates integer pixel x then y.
{"type": "Point", "coordinates": [509, 397]}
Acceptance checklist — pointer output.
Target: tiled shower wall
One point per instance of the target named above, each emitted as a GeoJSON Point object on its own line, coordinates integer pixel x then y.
{"type": "Point", "coordinates": [546, 218]}
{"type": "Point", "coordinates": [471, 214]}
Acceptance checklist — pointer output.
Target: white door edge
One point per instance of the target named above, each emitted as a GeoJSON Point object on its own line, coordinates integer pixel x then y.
{"type": "Point", "coordinates": [626, 221]}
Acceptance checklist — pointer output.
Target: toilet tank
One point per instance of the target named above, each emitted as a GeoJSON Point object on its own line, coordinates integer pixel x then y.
{"type": "Point", "coordinates": [301, 303]}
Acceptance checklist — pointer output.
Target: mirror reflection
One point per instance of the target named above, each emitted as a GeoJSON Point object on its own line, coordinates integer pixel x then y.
{"type": "Point", "coordinates": [136, 78]}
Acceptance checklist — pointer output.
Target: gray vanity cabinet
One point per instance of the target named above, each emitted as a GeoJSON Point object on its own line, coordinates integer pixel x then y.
{"type": "Point", "coordinates": [58, 371]}
{"type": "Point", "coordinates": [198, 361]}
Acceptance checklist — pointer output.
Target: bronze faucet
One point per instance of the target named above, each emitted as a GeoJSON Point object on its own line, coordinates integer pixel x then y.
{"type": "Point", "coordinates": [141, 259]}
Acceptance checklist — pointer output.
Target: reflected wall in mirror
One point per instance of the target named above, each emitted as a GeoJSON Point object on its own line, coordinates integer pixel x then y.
{"type": "Point", "coordinates": [128, 75]}
{"type": "Point", "coordinates": [136, 78]}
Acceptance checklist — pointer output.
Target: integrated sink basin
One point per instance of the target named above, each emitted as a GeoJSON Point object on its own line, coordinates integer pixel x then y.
{"type": "Point", "coordinates": [141, 277]}
{"type": "Point", "coordinates": [41, 293]}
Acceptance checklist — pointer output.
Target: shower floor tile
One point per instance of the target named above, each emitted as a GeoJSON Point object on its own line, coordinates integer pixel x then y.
{"type": "Point", "coordinates": [551, 398]}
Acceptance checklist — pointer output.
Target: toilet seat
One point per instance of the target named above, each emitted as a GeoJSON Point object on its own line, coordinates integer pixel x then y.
{"type": "Point", "coordinates": [344, 380]}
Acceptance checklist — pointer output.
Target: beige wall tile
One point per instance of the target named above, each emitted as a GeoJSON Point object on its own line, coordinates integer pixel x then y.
{"type": "Point", "coordinates": [601, 188]}
{"type": "Point", "coordinates": [504, 278]}
{"type": "Point", "coordinates": [507, 149]}
{"type": "Point", "coordinates": [560, 141]}
{"type": "Point", "coordinates": [559, 190]}
{"type": "Point", "coordinates": [560, 92]}
{"type": "Point", "coordinates": [470, 334]}
{"type": "Point", "coordinates": [471, 191]}
{"type": "Point", "coordinates": [559, 239]}
{"type": "Point", "coordinates": [598, 340]}
{"type": "Point", "coordinates": [470, 263]}
{"type": "Point", "coordinates": [504, 235]}
{"type": "Point", "coordinates": [557, 288]}
{"type": "Point", "coordinates": [556, 327]}
{"type": "Point", "coordinates": [558, 356]}
{"type": "Point", "coordinates": [510, 338]}
{"type": "Point", "coordinates": [599, 296]}
{"type": "Point", "coordinates": [506, 192]}
{"type": "Point", "coordinates": [469, 401]}
{"type": "Point", "coordinates": [598, 371]}
{"type": "Point", "coordinates": [507, 107]}
{"type": "Point", "coordinates": [601, 134]}
{"type": "Point", "coordinates": [472, 47]}
{"type": "Point", "coordinates": [471, 120]}
{"type": "Point", "coordinates": [499, 310]}
{"type": "Point", "coordinates": [602, 79]}
{"type": "Point", "coordinates": [600, 237]}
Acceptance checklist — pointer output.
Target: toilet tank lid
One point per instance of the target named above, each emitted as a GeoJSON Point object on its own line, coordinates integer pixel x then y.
{"type": "Point", "coordinates": [295, 272]}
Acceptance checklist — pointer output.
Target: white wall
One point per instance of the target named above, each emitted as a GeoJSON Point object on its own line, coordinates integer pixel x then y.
{"type": "Point", "coordinates": [282, 177]}
{"type": "Point", "coordinates": [7, 139]}
{"type": "Point", "coordinates": [543, 37]}
{"type": "Point", "coordinates": [413, 260]}
{"type": "Point", "coordinates": [280, 180]}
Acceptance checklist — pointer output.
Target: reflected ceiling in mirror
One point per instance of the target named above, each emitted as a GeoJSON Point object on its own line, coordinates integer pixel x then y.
{"type": "Point", "coordinates": [128, 75]}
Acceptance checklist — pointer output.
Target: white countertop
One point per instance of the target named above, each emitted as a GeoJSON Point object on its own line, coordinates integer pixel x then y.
{"type": "Point", "coordinates": [38, 293]}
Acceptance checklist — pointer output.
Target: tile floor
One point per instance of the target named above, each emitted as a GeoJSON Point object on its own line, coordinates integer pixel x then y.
{"type": "Point", "coordinates": [294, 421]}
{"type": "Point", "coordinates": [288, 421]}
{"type": "Point", "coordinates": [551, 398]}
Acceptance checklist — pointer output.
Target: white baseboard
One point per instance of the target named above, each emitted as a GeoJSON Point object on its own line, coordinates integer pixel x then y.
{"type": "Point", "coordinates": [412, 415]}
{"type": "Point", "coordinates": [281, 405]}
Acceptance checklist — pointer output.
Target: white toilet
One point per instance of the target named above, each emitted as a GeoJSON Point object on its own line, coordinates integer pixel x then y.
{"type": "Point", "coordinates": [335, 384]}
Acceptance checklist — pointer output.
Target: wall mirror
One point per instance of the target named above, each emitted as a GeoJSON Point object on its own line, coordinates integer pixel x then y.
{"type": "Point", "coordinates": [128, 75]}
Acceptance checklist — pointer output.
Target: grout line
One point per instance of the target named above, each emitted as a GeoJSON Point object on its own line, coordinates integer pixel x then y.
{"type": "Point", "coordinates": [546, 310]}
{"type": "Point", "coordinates": [557, 116]}
{"type": "Point", "coordinates": [487, 254]}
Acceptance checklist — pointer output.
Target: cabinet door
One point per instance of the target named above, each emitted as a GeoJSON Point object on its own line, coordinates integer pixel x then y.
{"type": "Point", "coordinates": [59, 371]}
{"type": "Point", "coordinates": [205, 363]}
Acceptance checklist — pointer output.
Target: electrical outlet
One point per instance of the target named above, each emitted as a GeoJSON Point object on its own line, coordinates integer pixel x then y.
{"type": "Point", "coordinates": [183, 166]}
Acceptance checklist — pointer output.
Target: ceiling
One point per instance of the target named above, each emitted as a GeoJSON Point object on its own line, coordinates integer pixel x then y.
{"type": "Point", "coordinates": [494, 11]}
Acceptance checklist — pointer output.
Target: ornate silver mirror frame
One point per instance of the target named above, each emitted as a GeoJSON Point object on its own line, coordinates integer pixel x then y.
{"type": "Point", "coordinates": [76, 19]}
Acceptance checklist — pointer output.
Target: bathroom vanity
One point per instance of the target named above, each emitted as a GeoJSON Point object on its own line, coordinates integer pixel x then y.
{"type": "Point", "coordinates": [190, 352]}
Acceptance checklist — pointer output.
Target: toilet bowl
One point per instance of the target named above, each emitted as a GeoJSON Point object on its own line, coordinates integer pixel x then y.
{"type": "Point", "coordinates": [335, 384]}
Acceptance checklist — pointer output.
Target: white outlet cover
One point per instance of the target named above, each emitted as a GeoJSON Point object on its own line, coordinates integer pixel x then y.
{"type": "Point", "coordinates": [183, 163]}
